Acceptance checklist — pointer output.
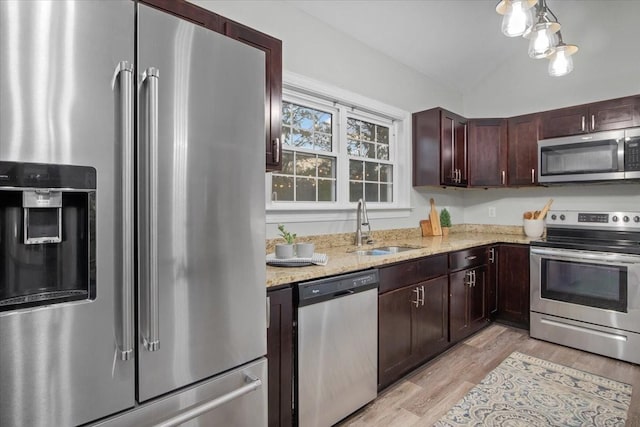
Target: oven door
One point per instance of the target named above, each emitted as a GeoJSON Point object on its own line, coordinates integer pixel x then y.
{"type": "Point", "coordinates": [596, 287]}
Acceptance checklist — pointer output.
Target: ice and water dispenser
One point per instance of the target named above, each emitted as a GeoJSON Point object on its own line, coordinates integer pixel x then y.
{"type": "Point", "coordinates": [47, 234]}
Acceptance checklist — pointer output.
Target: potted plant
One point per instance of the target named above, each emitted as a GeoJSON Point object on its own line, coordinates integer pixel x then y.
{"type": "Point", "coordinates": [445, 221]}
{"type": "Point", "coordinates": [285, 250]}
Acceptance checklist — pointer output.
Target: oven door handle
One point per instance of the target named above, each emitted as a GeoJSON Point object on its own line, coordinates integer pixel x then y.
{"type": "Point", "coordinates": [606, 258]}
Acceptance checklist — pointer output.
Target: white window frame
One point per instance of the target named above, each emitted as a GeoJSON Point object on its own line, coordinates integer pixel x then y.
{"type": "Point", "coordinates": [297, 88]}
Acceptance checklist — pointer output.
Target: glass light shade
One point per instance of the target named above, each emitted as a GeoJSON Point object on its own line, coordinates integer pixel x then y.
{"type": "Point", "coordinates": [543, 39]}
{"type": "Point", "coordinates": [517, 18]}
{"type": "Point", "coordinates": [561, 62]}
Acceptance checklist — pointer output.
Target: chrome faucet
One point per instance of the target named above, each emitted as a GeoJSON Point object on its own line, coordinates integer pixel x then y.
{"type": "Point", "coordinates": [362, 219]}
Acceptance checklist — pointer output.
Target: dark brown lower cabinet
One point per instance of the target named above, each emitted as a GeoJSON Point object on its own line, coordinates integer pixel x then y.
{"type": "Point", "coordinates": [513, 284]}
{"type": "Point", "coordinates": [467, 302]}
{"type": "Point", "coordinates": [413, 326]}
{"type": "Point", "coordinates": [280, 357]}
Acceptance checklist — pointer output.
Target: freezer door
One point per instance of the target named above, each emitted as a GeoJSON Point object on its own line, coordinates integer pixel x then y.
{"type": "Point", "coordinates": [234, 399]}
{"type": "Point", "coordinates": [62, 97]}
{"type": "Point", "coordinates": [202, 292]}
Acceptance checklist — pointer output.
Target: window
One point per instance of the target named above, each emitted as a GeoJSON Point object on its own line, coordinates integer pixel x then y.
{"type": "Point", "coordinates": [308, 162]}
{"type": "Point", "coordinates": [338, 147]}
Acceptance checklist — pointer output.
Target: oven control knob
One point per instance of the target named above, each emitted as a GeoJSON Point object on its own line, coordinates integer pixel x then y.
{"type": "Point", "coordinates": [625, 219]}
{"type": "Point", "coordinates": [636, 218]}
{"type": "Point", "coordinates": [615, 218]}
{"type": "Point", "coordinates": [562, 217]}
{"type": "Point", "coordinates": [553, 217]}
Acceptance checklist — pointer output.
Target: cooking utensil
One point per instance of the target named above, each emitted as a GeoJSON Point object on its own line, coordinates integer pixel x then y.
{"type": "Point", "coordinates": [435, 219]}
{"type": "Point", "coordinates": [544, 211]}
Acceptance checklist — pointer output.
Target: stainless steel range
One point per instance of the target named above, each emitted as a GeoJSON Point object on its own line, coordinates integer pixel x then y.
{"type": "Point", "coordinates": [585, 283]}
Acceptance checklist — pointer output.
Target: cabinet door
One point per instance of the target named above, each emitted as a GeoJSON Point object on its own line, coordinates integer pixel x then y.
{"type": "Point", "coordinates": [280, 356]}
{"type": "Point", "coordinates": [396, 350]}
{"type": "Point", "coordinates": [477, 298]}
{"type": "Point", "coordinates": [513, 284]}
{"type": "Point", "coordinates": [492, 283]}
{"type": "Point", "coordinates": [426, 147]}
{"type": "Point", "coordinates": [614, 114]}
{"type": "Point", "coordinates": [458, 304]}
{"type": "Point", "coordinates": [431, 317]}
{"type": "Point", "coordinates": [487, 152]}
{"type": "Point", "coordinates": [453, 149]}
{"type": "Point", "coordinates": [564, 122]}
{"type": "Point", "coordinates": [273, 98]}
{"type": "Point", "coordinates": [523, 133]}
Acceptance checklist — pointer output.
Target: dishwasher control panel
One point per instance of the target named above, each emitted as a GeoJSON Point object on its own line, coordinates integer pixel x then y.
{"type": "Point", "coordinates": [335, 287]}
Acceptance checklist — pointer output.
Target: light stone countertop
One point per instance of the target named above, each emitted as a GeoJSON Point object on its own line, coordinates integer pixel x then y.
{"type": "Point", "coordinates": [342, 260]}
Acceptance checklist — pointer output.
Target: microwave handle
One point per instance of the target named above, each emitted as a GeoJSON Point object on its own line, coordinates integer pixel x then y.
{"type": "Point", "coordinates": [621, 154]}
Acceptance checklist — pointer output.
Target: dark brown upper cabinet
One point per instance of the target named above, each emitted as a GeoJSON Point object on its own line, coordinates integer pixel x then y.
{"type": "Point", "coordinates": [272, 48]}
{"type": "Point", "coordinates": [439, 148]}
{"type": "Point", "coordinates": [487, 146]}
{"type": "Point", "coordinates": [273, 97]}
{"type": "Point", "coordinates": [523, 133]}
{"type": "Point", "coordinates": [613, 114]}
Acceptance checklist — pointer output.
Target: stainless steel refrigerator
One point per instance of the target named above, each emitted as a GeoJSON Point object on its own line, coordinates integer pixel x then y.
{"type": "Point", "coordinates": [132, 274]}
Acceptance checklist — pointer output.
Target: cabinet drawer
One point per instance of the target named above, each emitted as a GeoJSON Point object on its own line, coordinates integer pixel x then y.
{"type": "Point", "coordinates": [467, 258]}
{"type": "Point", "coordinates": [397, 276]}
{"type": "Point", "coordinates": [431, 267]}
{"type": "Point", "coordinates": [411, 272]}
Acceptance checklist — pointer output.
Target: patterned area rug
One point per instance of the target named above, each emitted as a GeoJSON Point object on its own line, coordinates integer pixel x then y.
{"type": "Point", "coordinates": [526, 391]}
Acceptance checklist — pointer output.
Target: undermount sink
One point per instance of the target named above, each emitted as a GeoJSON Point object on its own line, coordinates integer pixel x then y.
{"type": "Point", "coordinates": [384, 250]}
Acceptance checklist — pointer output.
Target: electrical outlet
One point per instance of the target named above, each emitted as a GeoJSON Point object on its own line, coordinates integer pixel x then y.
{"type": "Point", "coordinates": [492, 211]}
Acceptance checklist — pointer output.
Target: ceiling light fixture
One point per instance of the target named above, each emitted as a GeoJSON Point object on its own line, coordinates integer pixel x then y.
{"type": "Point", "coordinates": [545, 40]}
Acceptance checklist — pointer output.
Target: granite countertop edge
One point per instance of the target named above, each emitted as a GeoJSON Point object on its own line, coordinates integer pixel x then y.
{"type": "Point", "coordinates": [343, 260]}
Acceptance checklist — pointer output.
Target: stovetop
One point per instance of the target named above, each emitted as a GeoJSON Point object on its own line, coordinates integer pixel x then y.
{"type": "Point", "coordinates": [594, 231]}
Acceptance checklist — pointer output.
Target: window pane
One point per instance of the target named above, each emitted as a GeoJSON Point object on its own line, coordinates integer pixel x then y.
{"type": "Point", "coordinates": [368, 150]}
{"type": "Point", "coordinates": [281, 188]}
{"type": "Point", "coordinates": [382, 136]}
{"type": "Point", "coordinates": [386, 193]}
{"type": "Point", "coordinates": [309, 128]}
{"type": "Point", "coordinates": [302, 139]}
{"type": "Point", "coordinates": [371, 171]}
{"type": "Point", "coordinates": [355, 169]}
{"type": "Point", "coordinates": [353, 147]}
{"type": "Point", "coordinates": [322, 142]}
{"type": "Point", "coordinates": [305, 164]}
{"type": "Point", "coordinates": [386, 173]}
{"type": "Point", "coordinates": [326, 190]}
{"type": "Point", "coordinates": [367, 131]}
{"type": "Point", "coordinates": [371, 192]}
{"type": "Point", "coordinates": [355, 191]}
{"type": "Point", "coordinates": [305, 190]}
{"type": "Point", "coordinates": [324, 122]}
{"type": "Point", "coordinates": [287, 162]}
{"type": "Point", "coordinates": [326, 167]}
{"type": "Point", "coordinates": [383, 152]}
{"type": "Point", "coordinates": [286, 135]}
{"type": "Point", "coordinates": [353, 128]}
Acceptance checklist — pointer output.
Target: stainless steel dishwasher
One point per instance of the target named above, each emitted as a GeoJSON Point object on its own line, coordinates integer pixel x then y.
{"type": "Point", "coordinates": [337, 347]}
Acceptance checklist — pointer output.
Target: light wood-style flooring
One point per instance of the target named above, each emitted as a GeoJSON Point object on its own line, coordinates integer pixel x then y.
{"type": "Point", "coordinates": [427, 393]}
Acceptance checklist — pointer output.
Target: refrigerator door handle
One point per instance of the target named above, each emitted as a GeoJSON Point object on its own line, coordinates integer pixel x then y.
{"type": "Point", "coordinates": [253, 384]}
{"type": "Point", "coordinates": [125, 71]}
{"type": "Point", "coordinates": [152, 340]}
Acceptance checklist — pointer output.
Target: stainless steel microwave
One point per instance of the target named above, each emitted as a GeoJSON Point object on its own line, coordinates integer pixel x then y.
{"type": "Point", "coordinates": [600, 156]}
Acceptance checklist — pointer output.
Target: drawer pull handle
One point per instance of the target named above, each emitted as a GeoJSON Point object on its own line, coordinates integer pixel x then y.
{"type": "Point", "coordinates": [471, 257]}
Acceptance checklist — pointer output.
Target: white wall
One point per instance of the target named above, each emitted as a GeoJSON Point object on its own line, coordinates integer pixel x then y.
{"type": "Point", "coordinates": [607, 66]}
